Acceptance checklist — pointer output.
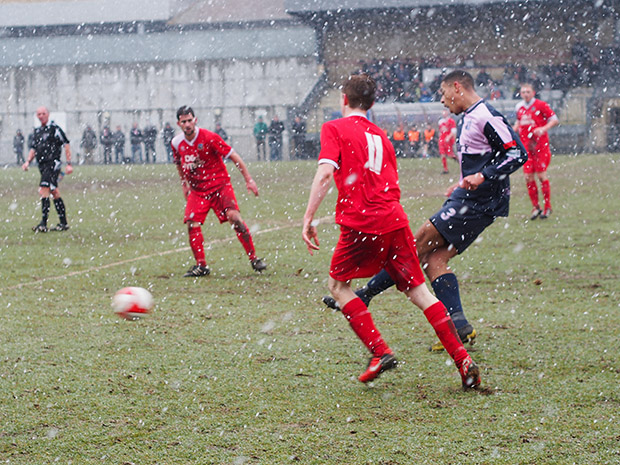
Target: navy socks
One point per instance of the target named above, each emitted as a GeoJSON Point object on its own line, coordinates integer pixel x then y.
{"type": "Point", "coordinates": [446, 289]}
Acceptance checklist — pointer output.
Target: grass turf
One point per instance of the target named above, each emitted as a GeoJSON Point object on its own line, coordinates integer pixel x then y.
{"type": "Point", "coordinates": [242, 368]}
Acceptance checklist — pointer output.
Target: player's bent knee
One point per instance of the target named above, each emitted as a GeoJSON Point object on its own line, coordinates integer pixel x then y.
{"type": "Point", "coordinates": [421, 297]}
{"type": "Point", "coordinates": [239, 226]}
{"type": "Point", "coordinates": [234, 216]}
{"type": "Point", "coordinates": [337, 288]}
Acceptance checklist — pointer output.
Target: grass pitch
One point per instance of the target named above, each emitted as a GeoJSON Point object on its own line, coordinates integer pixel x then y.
{"type": "Point", "coordinates": [240, 368]}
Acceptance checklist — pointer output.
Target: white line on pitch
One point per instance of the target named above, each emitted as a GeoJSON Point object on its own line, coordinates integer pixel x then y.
{"type": "Point", "coordinates": [146, 257]}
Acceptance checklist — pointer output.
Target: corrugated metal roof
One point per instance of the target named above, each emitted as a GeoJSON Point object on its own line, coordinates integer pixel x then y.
{"type": "Point", "coordinates": [163, 47]}
{"type": "Point", "coordinates": [39, 13]}
{"type": "Point", "coordinates": [308, 6]}
{"type": "Point", "coordinates": [223, 11]}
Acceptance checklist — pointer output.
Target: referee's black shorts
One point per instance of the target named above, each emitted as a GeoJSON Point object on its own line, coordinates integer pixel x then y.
{"type": "Point", "coordinates": [49, 174]}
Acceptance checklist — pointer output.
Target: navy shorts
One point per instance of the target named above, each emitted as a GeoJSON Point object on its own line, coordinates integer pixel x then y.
{"type": "Point", "coordinates": [49, 174]}
{"type": "Point", "coordinates": [460, 225]}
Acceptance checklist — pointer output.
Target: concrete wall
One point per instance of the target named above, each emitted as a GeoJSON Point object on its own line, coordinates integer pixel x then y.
{"type": "Point", "coordinates": [234, 91]}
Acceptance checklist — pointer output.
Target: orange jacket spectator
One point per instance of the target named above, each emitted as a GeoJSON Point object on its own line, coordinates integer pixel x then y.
{"type": "Point", "coordinates": [429, 135]}
{"type": "Point", "coordinates": [399, 135]}
{"type": "Point", "coordinates": [414, 136]}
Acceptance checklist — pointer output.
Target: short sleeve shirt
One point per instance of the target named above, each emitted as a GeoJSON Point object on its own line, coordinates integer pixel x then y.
{"type": "Point", "coordinates": [366, 175]}
{"type": "Point", "coordinates": [202, 160]}
{"type": "Point", "coordinates": [446, 127]}
{"type": "Point", "coordinates": [47, 142]}
{"type": "Point", "coordinates": [533, 116]}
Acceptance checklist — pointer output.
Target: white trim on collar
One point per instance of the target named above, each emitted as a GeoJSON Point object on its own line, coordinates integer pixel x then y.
{"type": "Point", "coordinates": [357, 113]}
{"type": "Point", "coordinates": [191, 142]}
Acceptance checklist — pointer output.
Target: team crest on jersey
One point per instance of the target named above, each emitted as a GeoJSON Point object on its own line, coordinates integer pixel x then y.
{"type": "Point", "coordinates": [201, 146]}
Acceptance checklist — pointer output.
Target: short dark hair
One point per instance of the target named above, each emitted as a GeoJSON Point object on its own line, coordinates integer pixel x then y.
{"type": "Point", "coordinates": [360, 90]}
{"type": "Point", "coordinates": [460, 76]}
{"type": "Point", "coordinates": [528, 84]}
{"type": "Point", "coordinates": [185, 110]}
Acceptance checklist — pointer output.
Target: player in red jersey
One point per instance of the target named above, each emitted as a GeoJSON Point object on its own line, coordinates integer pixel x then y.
{"type": "Point", "coordinates": [199, 155]}
{"type": "Point", "coordinates": [374, 229]}
{"type": "Point", "coordinates": [534, 119]}
{"type": "Point", "coordinates": [447, 137]}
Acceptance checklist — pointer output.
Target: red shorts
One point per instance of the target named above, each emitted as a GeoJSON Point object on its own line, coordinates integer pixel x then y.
{"type": "Point", "coordinates": [446, 147]}
{"type": "Point", "coordinates": [362, 255]}
{"type": "Point", "coordinates": [220, 201]}
{"type": "Point", "coordinates": [538, 158]}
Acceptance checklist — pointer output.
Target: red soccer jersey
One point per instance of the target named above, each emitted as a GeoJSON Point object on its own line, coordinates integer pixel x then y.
{"type": "Point", "coordinates": [202, 160]}
{"type": "Point", "coordinates": [366, 175]}
{"type": "Point", "coordinates": [530, 117]}
{"type": "Point", "coordinates": [447, 127]}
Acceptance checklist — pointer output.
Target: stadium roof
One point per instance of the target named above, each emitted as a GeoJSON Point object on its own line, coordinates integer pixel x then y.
{"type": "Point", "coordinates": [24, 13]}
{"type": "Point", "coordinates": [174, 45]}
{"type": "Point", "coordinates": [15, 13]}
{"type": "Point", "coordinates": [227, 11]}
{"type": "Point", "coordinates": [310, 6]}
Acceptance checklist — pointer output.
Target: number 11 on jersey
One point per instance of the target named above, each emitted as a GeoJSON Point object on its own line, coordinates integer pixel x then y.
{"type": "Point", "coordinates": [375, 152]}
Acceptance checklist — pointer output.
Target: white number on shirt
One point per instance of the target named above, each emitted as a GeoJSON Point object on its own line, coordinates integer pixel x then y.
{"type": "Point", "coordinates": [375, 152]}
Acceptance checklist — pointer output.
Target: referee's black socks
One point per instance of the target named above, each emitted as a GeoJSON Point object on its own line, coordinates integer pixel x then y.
{"type": "Point", "coordinates": [60, 208]}
{"type": "Point", "coordinates": [45, 210]}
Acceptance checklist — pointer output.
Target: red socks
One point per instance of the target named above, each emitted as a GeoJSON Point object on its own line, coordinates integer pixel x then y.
{"type": "Point", "coordinates": [196, 242]}
{"type": "Point", "coordinates": [532, 190]}
{"type": "Point", "coordinates": [361, 322]}
{"type": "Point", "coordinates": [244, 236]}
{"type": "Point", "coordinates": [438, 317]}
{"type": "Point", "coordinates": [546, 190]}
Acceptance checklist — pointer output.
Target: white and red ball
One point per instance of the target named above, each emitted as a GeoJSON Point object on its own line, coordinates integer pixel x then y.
{"type": "Point", "coordinates": [132, 303]}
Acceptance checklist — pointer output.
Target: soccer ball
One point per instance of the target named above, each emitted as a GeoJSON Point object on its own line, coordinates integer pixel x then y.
{"type": "Point", "coordinates": [132, 303]}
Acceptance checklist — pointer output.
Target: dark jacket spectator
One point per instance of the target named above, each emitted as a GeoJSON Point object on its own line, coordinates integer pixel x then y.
{"type": "Point", "coordinates": [107, 141]}
{"type": "Point", "coordinates": [150, 136]}
{"type": "Point", "coordinates": [135, 140]}
{"type": "Point", "coordinates": [89, 144]}
{"type": "Point", "coordinates": [219, 130]}
{"type": "Point", "coordinates": [298, 130]}
{"type": "Point", "coordinates": [276, 128]}
{"type": "Point", "coordinates": [18, 147]}
{"type": "Point", "coordinates": [167, 135]}
{"type": "Point", "coordinates": [119, 146]}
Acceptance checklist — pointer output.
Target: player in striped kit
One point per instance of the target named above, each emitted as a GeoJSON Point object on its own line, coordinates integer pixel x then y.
{"type": "Point", "coordinates": [489, 151]}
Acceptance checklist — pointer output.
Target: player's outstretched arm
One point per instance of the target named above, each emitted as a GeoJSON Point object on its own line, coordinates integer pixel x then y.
{"type": "Point", "coordinates": [184, 183]}
{"type": "Point", "coordinates": [69, 169]}
{"type": "Point", "coordinates": [249, 182]}
{"type": "Point", "coordinates": [29, 159]}
{"type": "Point", "coordinates": [320, 186]}
{"type": "Point", "coordinates": [551, 123]}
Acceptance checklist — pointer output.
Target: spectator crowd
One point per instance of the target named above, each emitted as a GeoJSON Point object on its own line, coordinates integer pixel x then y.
{"type": "Point", "coordinates": [400, 80]}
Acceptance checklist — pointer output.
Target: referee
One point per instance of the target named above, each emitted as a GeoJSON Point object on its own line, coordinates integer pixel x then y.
{"type": "Point", "coordinates": [47, 145]}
